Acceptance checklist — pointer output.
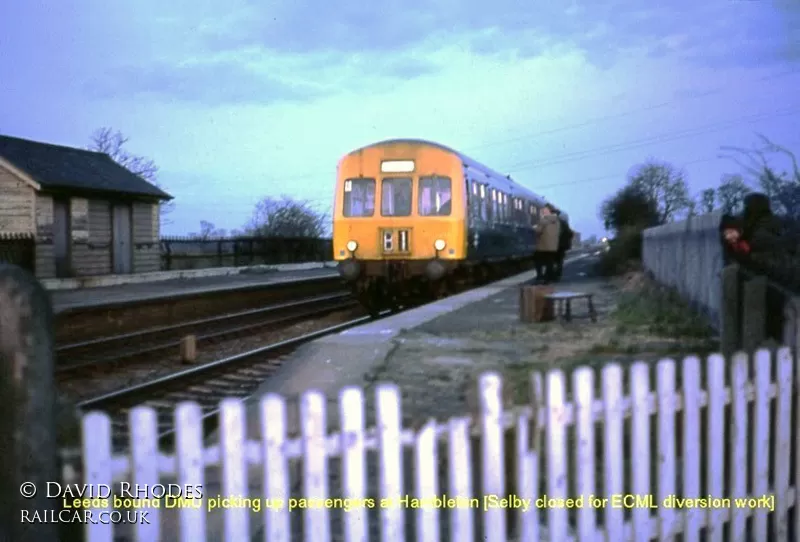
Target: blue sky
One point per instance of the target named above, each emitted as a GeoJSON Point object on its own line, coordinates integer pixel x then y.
{"type": "Point", "coordinates": [240, 99]}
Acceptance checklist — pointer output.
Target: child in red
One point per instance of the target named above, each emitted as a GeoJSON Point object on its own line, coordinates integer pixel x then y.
{"type": "Point", "coordinates": [731, 231]}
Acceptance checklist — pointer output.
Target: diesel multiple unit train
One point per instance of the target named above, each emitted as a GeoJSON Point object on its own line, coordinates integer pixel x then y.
{"type": "Point", "coordinates": [411, 217]}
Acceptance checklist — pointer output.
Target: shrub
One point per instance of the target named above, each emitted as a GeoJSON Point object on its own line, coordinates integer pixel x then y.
{"type": "Point", "coordinates": [624, 253]}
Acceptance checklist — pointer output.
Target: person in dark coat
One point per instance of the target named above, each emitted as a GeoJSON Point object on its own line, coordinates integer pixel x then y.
{"type": "Point", "coordinates": [565, 235]}
{"type": "Point", "coordinates": [761, 230]}
{"type": "Point", "coordinates": [547, 230]}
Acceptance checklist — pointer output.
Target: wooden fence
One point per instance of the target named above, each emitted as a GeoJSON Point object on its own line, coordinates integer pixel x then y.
{"type": "Point", "coordinates": [628, 444]}
{"type": "Point", "coordinates": [725, 432]}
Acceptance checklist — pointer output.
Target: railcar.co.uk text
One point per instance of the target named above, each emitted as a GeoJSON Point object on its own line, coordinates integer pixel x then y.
{"type": "Point", "coordinates": [133, 503]}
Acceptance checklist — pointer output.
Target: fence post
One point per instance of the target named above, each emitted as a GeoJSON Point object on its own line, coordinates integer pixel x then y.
{"type": "Point", "coordinates": [730, 324]}
{"type": "Point", "coordinates": [791, 323]}
{"type": "Point", "coordinates": [754, 313]}
{"type": "Point", "coordinates": [27, 423]}
{"type": "Point", "coordinates": [167, 254]}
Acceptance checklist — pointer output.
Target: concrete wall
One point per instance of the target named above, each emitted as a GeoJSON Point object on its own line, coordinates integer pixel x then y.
{"type": "Point", "coordinates": [688, 256]}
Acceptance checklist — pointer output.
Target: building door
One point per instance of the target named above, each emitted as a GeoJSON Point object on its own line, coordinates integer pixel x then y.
{"type": "Point", "coordinates": [123, 239]}
{"type": "Point", "coordinates": [62, 234]}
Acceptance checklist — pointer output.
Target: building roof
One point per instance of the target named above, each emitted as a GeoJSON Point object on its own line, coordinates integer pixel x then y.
{"type": "Point", "coordinates": [58, 167]}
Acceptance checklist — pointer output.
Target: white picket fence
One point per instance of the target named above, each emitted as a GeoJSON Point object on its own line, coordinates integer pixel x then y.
{"type": "Point", "coordinates": [556, 412]}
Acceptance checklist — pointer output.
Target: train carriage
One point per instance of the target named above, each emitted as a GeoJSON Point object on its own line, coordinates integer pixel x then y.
{"type": "Point", "coordinates": [411, 217]}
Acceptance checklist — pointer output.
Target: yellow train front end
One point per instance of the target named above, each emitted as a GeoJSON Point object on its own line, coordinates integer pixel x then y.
{"type": "Point", "coordinates": [399, 219]}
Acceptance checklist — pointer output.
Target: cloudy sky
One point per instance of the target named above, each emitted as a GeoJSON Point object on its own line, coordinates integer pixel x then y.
{"type": "Point", "coordinates": [240, 99]}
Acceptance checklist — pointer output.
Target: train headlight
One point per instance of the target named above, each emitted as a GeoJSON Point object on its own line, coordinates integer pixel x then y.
{"type": "Point", "coordinates": [439, 244]}
{"type": "Point", "coordinates": [352, 246]}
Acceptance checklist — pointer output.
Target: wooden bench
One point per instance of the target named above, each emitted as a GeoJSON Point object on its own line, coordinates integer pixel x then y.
{"type": "Point", "coordinates": [562, 304]}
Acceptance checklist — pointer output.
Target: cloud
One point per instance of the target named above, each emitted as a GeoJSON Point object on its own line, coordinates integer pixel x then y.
{"type": "Point", "coordinates": [244, 51]}
{"type": "Point", "coordinates": [208, 82]}
{"type": "Point", "coordinates": [254, 76]}
{"type": "Point", "coordinates": [739, 33]}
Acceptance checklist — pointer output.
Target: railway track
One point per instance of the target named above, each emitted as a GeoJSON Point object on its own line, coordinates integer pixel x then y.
{"type": "Point", "coordinates": [235, 376]}
{"type": "Point", "coordinates": [77, 359]}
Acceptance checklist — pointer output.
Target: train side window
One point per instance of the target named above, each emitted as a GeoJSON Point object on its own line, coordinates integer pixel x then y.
{"type": "Point", "coordinates": [396, 196]}
{"type": "Point", "coordinates": [474, 202]}
{"type": "Point", "coordinates": [359, 197]}
{"type": "Point", "coordinates": [434, 196]}
{"type": "Point", "coordinates": [484, 204]}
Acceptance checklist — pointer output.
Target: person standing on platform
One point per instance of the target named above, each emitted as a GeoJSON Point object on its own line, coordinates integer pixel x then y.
{"type": "Point", "coordinates": [565, 235]}
{"type": "Point", "coordinates": [547, 232]}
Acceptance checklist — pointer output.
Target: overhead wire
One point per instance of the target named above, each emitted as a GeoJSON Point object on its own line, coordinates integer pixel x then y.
{"type": "Point", "coordinates": [596, 120]}
{"type": "Point", "coordinates": [623, 114]}
{"type": "Point", "coordinates": [662, 138]}
{"type": "Point", "coordinates": [623, 175]}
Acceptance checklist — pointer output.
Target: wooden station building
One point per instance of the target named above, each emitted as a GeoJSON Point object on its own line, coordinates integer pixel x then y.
{"type": "Point", "coordinates": [82, 213]}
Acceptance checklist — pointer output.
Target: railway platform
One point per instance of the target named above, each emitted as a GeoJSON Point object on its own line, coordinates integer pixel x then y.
{"type": "Point", "coordinates": [65, 300]}
{"type": "Point", "coordinates": [462, 335]}
{"type": "Point", "coordinates": [433, 353]}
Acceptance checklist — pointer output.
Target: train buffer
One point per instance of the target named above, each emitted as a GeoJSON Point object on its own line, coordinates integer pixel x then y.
{"type": "Point", "coordinates": [562, 304]}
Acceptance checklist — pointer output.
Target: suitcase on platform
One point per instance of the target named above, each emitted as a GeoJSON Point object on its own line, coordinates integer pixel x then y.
{"type": "Point", "coordinates": [533, 306]}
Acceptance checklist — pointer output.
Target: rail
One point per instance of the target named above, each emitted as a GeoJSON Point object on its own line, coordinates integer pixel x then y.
{"type": "Point", "coordinates": [238, 376]}
{"type": "Point", "coordinates": [122, 347]}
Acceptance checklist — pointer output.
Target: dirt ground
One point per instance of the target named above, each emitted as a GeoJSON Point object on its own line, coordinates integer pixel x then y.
{"type": "Point", "coordinates": [436, 365]}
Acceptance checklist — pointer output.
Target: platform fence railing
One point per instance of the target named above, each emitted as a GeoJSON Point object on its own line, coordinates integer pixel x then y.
{"type": "Point", "coordinates": [645, 451]}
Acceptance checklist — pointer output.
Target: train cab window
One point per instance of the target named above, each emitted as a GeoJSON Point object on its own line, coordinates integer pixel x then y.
{"type": "Point", "coordinates": [359, 197]}
{"type": "Point", "coordinates": [396, 196]}
{"type": "Point", "coordinates": [434, 196]}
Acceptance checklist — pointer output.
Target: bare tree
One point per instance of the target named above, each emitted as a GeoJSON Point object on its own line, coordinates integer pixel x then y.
{"type": "Point", "coordinates": [707, 200]}
{"type": "Point", "coordinates": [691, 208]}
{"type": "Point", "coordinates": [287, 217]}
{"type": "Point", "coordinates": [208, 231]}
{"type": "Point", "coordinates": [664, 184]}
{"type": "Point", "coordinates": [731, 192]}
{"type": "Point", "coordinates": [782, 188]}
{"type": "Point", "coordinates": [112, 143]}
